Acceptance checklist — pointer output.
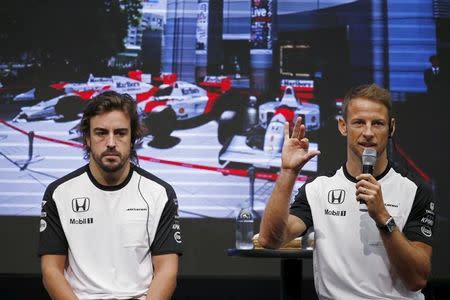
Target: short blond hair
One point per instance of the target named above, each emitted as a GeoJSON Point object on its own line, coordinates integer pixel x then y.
{"type": "Point", "coordinates": [371, 92]}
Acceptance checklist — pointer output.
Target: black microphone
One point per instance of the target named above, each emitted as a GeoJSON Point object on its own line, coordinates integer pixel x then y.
{"type": "Point", "coordinates": [369, 157]}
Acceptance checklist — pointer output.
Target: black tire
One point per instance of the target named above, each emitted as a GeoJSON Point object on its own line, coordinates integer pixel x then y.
{"type": "Point", "coordinates": [255, 137]}
{"type": "Point", "coordinates": [161, 124]}
{"type": "Point", "coordinates": [45, 92]}
{"type": "Point", "coordinates": [228, 101]}
{"type": "Point", "coordinates": [70, 106]}
{"type": "Point", "coordinates": [228, 126]}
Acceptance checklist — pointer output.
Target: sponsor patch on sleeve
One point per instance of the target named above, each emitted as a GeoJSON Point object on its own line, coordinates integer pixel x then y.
{"type": "Point", "coordinates": [177, 237]}
{"type": "Point", "coordinates": [426, 231]}
{"type": "Point", "coordinates": [43, 225]}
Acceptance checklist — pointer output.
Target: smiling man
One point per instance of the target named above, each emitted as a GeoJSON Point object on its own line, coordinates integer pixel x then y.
{"type": "Point", "coordinates": [110, 230]}
{"type": "Point", "coordinates": [382, 253]}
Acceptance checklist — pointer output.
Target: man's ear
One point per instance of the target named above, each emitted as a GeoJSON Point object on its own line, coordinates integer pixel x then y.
{"type": "Point", "coordinates": [392, 127]}
{"type": "Point", "coordinates": [342, 126]}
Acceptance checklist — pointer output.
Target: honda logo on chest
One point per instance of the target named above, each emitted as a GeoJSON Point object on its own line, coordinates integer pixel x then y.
{"type": "Point", "coordinates": [81, 204]}
{"type": "Point", "coordinates": [336, 196]}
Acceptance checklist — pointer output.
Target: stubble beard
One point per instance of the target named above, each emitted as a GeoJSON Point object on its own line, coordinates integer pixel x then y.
{"type": "Point", "coordinates": [110, 167]}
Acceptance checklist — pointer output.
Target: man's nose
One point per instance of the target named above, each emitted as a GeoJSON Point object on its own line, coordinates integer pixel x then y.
{"type": "Point", "coordinates": [368, 132]}
{"type": "Point", "coordinates": [111, 142]}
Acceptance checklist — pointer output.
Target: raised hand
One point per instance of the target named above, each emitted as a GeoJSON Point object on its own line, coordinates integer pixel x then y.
{"type": "Point", "coordinates": [296, 153]}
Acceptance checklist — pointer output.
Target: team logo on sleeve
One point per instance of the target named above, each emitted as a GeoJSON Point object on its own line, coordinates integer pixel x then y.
{"type": "Point", "coordinates": [336, 196]}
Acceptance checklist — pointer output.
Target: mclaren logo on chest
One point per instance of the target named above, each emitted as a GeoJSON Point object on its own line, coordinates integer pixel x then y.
{"type": "Point", "coordinates": [81, 204]}
{"type": "Point", "coordinates": [336, 196]}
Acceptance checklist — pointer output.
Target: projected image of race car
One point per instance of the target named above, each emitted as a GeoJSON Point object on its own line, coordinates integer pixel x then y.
{"type": "Point", "coordinates": [260, 145]}
{"type": "Point", "coordinates": [182, 105]}
{"type": "Point", "coordinates": [164, 103]}
{"type": "Point", "coordinates": [72, 102]}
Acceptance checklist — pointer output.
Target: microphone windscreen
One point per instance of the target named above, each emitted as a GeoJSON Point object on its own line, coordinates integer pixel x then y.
{"type": "Point", "coordinates": [369, 156]}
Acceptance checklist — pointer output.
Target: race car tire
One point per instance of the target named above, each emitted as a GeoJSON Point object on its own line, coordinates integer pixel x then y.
{"type": "Point", "coordinates": [228, 126]}
{"type": "Point", "coordinates": [161, 123]}
{"type": "Point", "coordinates": [45, 92]}
{"type": "Point", "coordinates": [229, 101]}
{"type": "Point", "coordinates": [255, 137]}
{"type": "Point", "coordinates": [70, 106]}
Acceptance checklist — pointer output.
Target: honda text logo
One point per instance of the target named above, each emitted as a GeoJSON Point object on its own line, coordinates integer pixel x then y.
{"type": "Point", "coordinates": [80, 204]}
{"type": "Point", "coordinates": [336, 196]}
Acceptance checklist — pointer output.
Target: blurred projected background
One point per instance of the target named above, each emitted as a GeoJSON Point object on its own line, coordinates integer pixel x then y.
{"type": "Point", "coordinates": [214, 82]}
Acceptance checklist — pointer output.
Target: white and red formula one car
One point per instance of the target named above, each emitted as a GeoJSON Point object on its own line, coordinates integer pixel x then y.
{"type": "Point", "coordinates": [261, 144]}
{"type": "Point", "coordinates": [72, 102]}
{"type": "Point", "coordinates": [181, 103]}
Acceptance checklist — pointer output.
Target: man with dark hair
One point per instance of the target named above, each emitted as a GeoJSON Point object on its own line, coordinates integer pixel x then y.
{"type": "Point", "coordinates": [110, 230]}
{"type": "Point", "coordinates": [122, 102]}
{"type": "Point", "coordinates": [381, 253]}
